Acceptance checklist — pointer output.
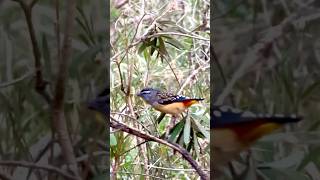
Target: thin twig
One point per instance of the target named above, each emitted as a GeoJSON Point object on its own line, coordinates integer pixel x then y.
{"type": "Point", "coordinates": [58, 50]}
{"type": "Point", "coordinates": [46, 167]}
{"type": "Point", "coordinates": [6, 84]}
{"type": "Point", "coordinates": [173, 71]}
{"type": "Point", "coordinates": [132, 148]}
{"type": "Point", "coordinates": [178, 34]}
{"type": "Point", "coordinates": [194, 73]}
{"type": "Point", "coordinates": [126, 53]}
{"type": "Point", "coordinates": [40, 83]}
{"type": "Point", "coordinates": [173, 169]}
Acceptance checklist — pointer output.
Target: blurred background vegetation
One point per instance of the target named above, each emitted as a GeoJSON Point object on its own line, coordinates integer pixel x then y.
{"type": "Point", "coordinates": [26, 124]}
{"type": "Point", "coordinates": [268, 54]}
{"type": "Point", "coordinates": [164, 45]}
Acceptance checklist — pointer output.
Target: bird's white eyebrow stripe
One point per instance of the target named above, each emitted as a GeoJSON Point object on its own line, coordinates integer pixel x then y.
{"type": "Point", "coordinates": [147, 92]}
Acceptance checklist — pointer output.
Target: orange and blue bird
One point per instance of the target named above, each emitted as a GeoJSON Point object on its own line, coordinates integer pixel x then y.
{"type": "Point", "coordinates": [167, 102]}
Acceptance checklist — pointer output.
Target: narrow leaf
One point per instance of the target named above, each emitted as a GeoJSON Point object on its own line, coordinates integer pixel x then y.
{"type": "Point", "coordinates": [186, 131]}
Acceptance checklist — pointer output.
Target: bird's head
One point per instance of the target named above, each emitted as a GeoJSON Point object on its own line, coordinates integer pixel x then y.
{"type": "Point", "coordinates": [149, 95]}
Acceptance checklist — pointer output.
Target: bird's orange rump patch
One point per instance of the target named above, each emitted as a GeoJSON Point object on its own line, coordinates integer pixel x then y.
{"type": "Point", "coordinates": [254, 130]}
{"type": "Point", "coordinates": [188, 103]}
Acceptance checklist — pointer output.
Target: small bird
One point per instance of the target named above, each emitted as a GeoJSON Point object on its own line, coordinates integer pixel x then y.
{"type": "Point", "coordinates": [166, 102]}
{"type": "Point", "coordinates": [234, 131]}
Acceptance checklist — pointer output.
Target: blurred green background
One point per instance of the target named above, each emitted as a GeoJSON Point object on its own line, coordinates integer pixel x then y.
{"type": "Point", "coordinates": [25, 117]}
{"type": "Point", "coordinates": [269, 52]}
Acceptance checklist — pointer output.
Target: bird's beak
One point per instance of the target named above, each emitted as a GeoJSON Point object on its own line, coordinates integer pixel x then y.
{"type": "Point", "coordinates": [138, 94]}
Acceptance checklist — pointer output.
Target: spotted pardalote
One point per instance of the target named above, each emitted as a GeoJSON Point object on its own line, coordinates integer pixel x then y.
{"type": "Point", "coordinates": [166, 102]}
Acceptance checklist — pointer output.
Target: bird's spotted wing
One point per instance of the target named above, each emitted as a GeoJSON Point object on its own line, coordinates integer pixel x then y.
{"type": "Point", "coordinates": [168, 98]}
{"type": "Point", "coordinates": [224, 116]}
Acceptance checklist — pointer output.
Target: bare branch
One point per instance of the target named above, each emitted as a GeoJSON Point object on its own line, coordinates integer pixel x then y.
{"type": "Point", "coordinates": [58, 101]}
{"type": "Point", "coordinates": [40, 84]}
{"type": "Point", "coordinates": [46, 167]}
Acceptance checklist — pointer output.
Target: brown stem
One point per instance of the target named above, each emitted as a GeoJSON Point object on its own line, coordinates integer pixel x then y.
{"type": "Point", "coordinates": [58, 101]}
{"type": "Point", "coordinates": [40, 84]}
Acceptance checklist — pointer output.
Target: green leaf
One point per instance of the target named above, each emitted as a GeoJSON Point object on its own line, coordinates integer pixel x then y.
{"type": "Point", "coordinates": [308, 91]}
{"type": "Point", "coordinates": [196, 125]}
{"type": "Point", "coordinates": [291, 160]}
{"type": "Point", "coordinates": [153, 46]}
{"type": "Point", "coordinates": [186, 131]}
{"type": "Point", "coordinates": [196, 144]}
{"type": "Point", "coordinates": [176, 130]}
{"type": "Point", "coordinates": [312, 156]}
{"type": "Point", "coordinates": [200, 135]}
{"type": "Point", "coordinates": [146, 55]}
{"type": "Point", "coordinates": [174, 43]}
{"type": "Point", "coordinates": [113, 140]}
{"type": "Point", "coordinates": [162, 48]}
{"type": "Point", "coordinates": [142, 48]}
{"type": "Point", "coordinates": [84, 39]}
{"type": "Point", "coordinates": [85, 25]}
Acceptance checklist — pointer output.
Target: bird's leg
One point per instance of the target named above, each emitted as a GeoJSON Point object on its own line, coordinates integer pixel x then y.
{"type": "Point", "coordinates": [173, 120]}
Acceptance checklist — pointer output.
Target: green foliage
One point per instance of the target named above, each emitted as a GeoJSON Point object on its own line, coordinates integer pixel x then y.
{"type": "Point", "coordinates": [278, 78]}
{"type": "Point", "coordinates": [162, 52]}
{"type": "Point", "coordinates": [25, 117]}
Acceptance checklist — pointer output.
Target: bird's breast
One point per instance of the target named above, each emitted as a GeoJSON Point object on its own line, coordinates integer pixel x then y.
{"type": "Point", "coordinates": [173, 108]}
